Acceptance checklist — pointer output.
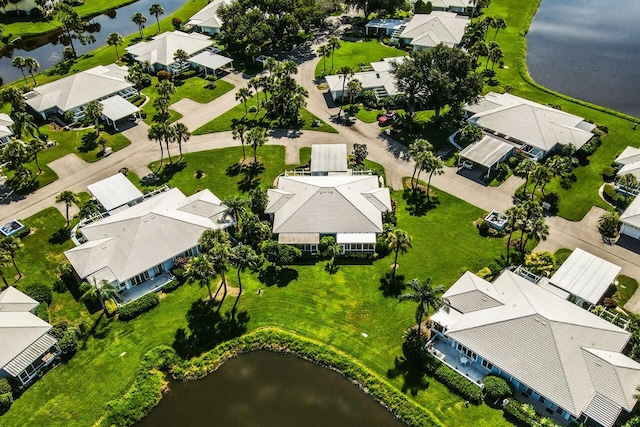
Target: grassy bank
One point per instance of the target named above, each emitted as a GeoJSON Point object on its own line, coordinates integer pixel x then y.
{"type": "Point", "coordinates": [354, 54]}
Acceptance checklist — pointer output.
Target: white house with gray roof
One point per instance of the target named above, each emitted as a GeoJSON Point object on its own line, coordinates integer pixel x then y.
{"type": "Point", "coordinates": [629, 162]}
{"type": "Point", "coordinates": [531, 128]}
{"type": "Point", "coordinates": [26, 346]}
{"type": "Point", "coordinates": [74, 92]}
{"type": "Point", "coordinates": [565, 360]}
{"type": "Point", "coordinates": [630, 220]}
{"type": "Point", "coordinates": [6, 128]}
{"type": "Point", "coordinates": [135, 248]}
{"type": "Point", "coordinates": [425, 31]}
{"type": "Point", "coordinates": [206, 20]}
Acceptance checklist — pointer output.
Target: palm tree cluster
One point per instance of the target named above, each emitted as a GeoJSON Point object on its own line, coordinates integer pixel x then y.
{"type": "Point", "coordinates": [426, 295]}
{"type": "Point", "coordinates": [9, 247]}
{"type": "Point", "coordinates": [73, 28]}
{"type": "Point", "coordinates": [476, 39]}
{"type": "Point", "coordinates": [527, 219]}
{"type": "Point", "coordinates": [421, 152]}
{"type": "Point", "coordinates": [30, 64]}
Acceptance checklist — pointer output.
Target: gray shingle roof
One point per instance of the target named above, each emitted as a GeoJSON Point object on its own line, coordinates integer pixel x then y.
{"type": "Point", "coordinates": [542, 340]}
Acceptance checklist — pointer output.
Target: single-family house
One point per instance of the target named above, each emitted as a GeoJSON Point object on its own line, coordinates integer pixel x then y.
{"type": "Point", "coordinates": [115, 192]}
{"type": "Point", "coordinates": [26, 346]}
{"type": "Point", "coordinates": [533, 129]}
{"type": "Point", "coordinates": [585, 277]}
{"type": "Point", "coordinates": [379, 80]}
{"type": "Point", "coordinates": [630, 220]}
{"type": "Point", "coordinates": [629, 162]}
{"type": "Point", "coordinates": [456, 6]}
{"type": "Point", "coordinates": [304, 207]}
{"type": "Point", "coordinates": [160, 50]}
{"type": "Point", "coordinates": [384, 27]}
{"type": "Point", "coordinates": [206, 20]}
{"type": "Point", "coordinates": [73, 93]}
{"type": "Point", "coordinates": [135, 248]}
{"type": "Point", "coordinates": [425, 31]}
{"type": "Point", "coordinates": [6, 128]}
{"type": "Point", "coordinates": [564, 360]}
{"type": "Point", "coordinates": [25, 6]}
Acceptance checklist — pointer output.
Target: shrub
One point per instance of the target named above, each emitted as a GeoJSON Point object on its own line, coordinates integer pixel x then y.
{"type": "Point", "coordinates": [111, 307]}
{"type": "Point", "coordinates": [483, 226]}
{"type": "Point", "coordinates": [59, 329]}
{"type": "Point", "coordinates": [211, 77]}
{"type": "Point", "coordinates": [458, 384]}
{"type": "Point", "coordinates": [59, 286]}
{"type": "Point", "coordinates": [23, 233]}
{"type": "Point", "coordinates": [608, 173]}
{"type": "Point", "coordinates": [42, 311]}
{"type": "Point", "coordinates": [163, 75]}
{"type": "Point", "coordinates": [6, 400]}
{"type": "Point", "coordinates": [180, 263]}
{"type": "Point", "coordinates": [39, 292]}
{"type": "Point", "coordinates": [485, 273]}
{"type": "Point", "coordinates": [36, 13]}
{"type": "Point", "coordinates": [524, 415]}
{"type": "Point", "coordinates": [553, 199]}
{"type": "Point", "coordinates": [609, 303]}
{"type": "Point", "coordinates": [176, 22]}
{"type": "Point", "coordinates": [172, 286]}
{"type": "Point", "coordinates": [69, 342]}
{"type": "Point", "coordinates": [139, 306]}
{"type": "Point", "coordinates": [253, 109]}
{"type": "Point", "coordinates": [5, 387]}
{"type": "Point", "coordinates": [496, 388]}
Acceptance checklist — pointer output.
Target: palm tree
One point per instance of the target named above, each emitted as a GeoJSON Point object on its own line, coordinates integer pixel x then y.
{"type": "Point", "coordinates": [433, 165]}
{"type": "Point", "coordinates": [541, 175]}
{"type": "Point", "coordinates": [495, 54]}
{"type": "Point", "coordinates": [215, 243]}
{"type": "Point", "coordinates": [498, 24]}
{"type": "Point", "coordinates": [239, 129]}
{"type": "Point", "coordinates": [19, 62]}
{"type": "Point", "coordinates": [15, 153]}
{"type": "Point", "coordinates": [94, 112]}
{"type": "Point", "coordinates": [156, 10]}
{"type": "Point", "coordinates": [515, 215]}
{"type": "Point", "coordinates": [236, 205]}
{"type": "Point", "coordinates": [417, 151]}
{"type": "Point", "coordinates": [169, 134]}
{"type": "Point", "coordinates": [33, 66]}
{"type": "Point", "coordinates": [5, 261]}
{"type": "Point", "coordinates": [156, 133]}
{"type": "Point", "coordinates": [181, 134]}
{"type": "Point", "coordinates": [35, 146]}
{"type": "Point", "coordinates": [139, 19]}
{"type": "Point", "coordinates": [115, 39]}
{"type": "Point", "coordinates": [523, 170]}
{"type": "Point", "coordinates": [22, 121]}
{"type": "Point", "coordinates": [324, 51]}
{"type": "Point", "coordinates": [10, 246]}
{"type": "Point", "coordinates": [101, 291]}
{"type": "Point", "coordinates": [244, 93]}
{"type": "Point", "coordinates": [199, 269]}
{"type": "Point", "coordinates": [628, 181]}
{"type": "Point", "coordinates": [181, 57]}
{"type": "Point", "coordinates": [426, 295]}
{"type": "Point", "coordinates": [354, 87]}
{"type": "Point", "coordinates": [334, 43]}
{"type": "Point", "coordinates": [166, 88]}
{"type": "Point", "coordinates": [346, 71]}
{"type": "Point", "coordinates": [608, 224]}
{"type": "Point", "coordinates": [68, 197]}
{"type": "Point", "coordinates": [243, 257]}
{"type": "Point", "coordinates": [535, 228]}
{"type": "Point", "coordinates": [399, 241]}
{"type": "Point", "coordinates": [256, 137]}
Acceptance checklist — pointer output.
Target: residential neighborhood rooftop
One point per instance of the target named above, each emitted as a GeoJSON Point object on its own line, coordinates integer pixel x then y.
{"type": "Point", "coordinates": [114, 191]}
{"type": "Point", "coordinates": [428, 30]}
{"type": "Point", "coordinates": [161, 48]}
{"type": "Point", "coordinates": [329, 158]}
{"type": "Point", "coordinates": [208, 15]}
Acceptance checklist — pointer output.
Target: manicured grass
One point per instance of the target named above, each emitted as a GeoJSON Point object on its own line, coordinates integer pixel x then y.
{"type": "Point", "coordinates": [223, 123]}
{"type": "Point", "coordinates": [365, 114]}
{"type": "Point", "coordinates": [192, 88]}
{"type": "Point", "coordinates": [333, 309]}
{"type": "Point", "coordinates": [80, 142]}
{"type": "Point", "coordinates": [576, 201]}
{"type": "Point", "coordinates": [353, 54]}
{"type": "Point", "coordinates": [627, 286]}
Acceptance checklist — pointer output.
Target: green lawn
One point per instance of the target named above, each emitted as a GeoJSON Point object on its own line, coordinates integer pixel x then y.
{"type": "Point", "coordinates": [353, 54]}
{"type": "Point", "coordinates": [223, 123]}
{"type": "Point", "coordinates": [192, 88]}
{"type": "Point", "coordinates": [627, 286]}
{"type": "Point", "coordinates": [334, 309]}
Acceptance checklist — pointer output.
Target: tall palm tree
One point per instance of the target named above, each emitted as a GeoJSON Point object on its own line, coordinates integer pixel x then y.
{"type": "Point", "coordinates": [156, 10]}
{"type": "Point", "coordinates": [495, 54]}
{"type": "Point", "coordinates": [324, 51]}
{"type": "Point", "coordinates": [94, 112]}
{"type": "Point", "coordinates": [541, 175]}
{"type": "Point", "coordinates": [523, 170]}
{"type": "Point", "coordinates": [426, 295]}
{"type": "Point", "coordinates": [498, 24]}
{"type": "Point", "coordinates": [165, 89]}
{"type": "Point", "coordinates": [244, 93]}
{"type": "Point", "coordinates": [433, 165]}
{"type": "Point", "coordinates": [417, 152]}
{"type": "Point", "coordinates": [139, 19]}
{"type": "Point", "coordinates": [68, 197]}
{"type": "Point", "coordinates": [256, 137]}
{"type": "Point", "coordinates": [536, 228]}
{"type": "Point", "coordinates": [239, 129]}
{"type": "Point", "coordinates": [236, 206]}
{"type": "Point", "coordinates": [181, 134]}
{"type": "Point", "coordinates": [169, 134]}
{"type": "Point", "coordinates": [346, 71]}
{"type": "Point", "coordinates": [354, 87]}
{"type": "Point", "coordinates": [35, 146]}
{"type": "Point", "coordinates": [102, 291]}
{"type": "Point", "coordinates": [215, 243]}
{"type": "Point", "coordinates": [199, 269]}
{"type": "Point", "coordinates": [243, 257]}
{"type": "Point", "coordinates": [15, 153]}
{"type": "Point", "coordinates": [334, 43]}
{"type": "Point", "coordinates": [156, 133]}
{"type": "Point", "coordinates": [11, 245]}
{"type": "Point", "coordinates": [33, 66]}
{"type": "Point", "coordinates": [115, 39]}
{"type": "Point", "coordinates": [515, 215]}
{"type": "Point", "coordinates": [399, 241]}
{"type": "Point", "coordinates": [181, 57]}
{"type": "Point", "coordinates": [19, 62]}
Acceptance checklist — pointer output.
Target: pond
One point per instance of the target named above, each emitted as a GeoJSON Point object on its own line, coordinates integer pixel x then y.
{"type": "Point", "coordinates": [269, 389]}
{"type": "Point", "coordinates": [588, 49]}
{"type": "Point", "coordinates": [48, 51]}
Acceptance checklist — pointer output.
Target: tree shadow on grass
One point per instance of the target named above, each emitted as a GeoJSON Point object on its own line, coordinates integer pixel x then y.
{"type": "Point", "coordinates": [412, 374]}
{"type": "Point", "coordinates": [392, 288]}
{"type": "Point", "coordinates": [234, 170]}
{"type": "Point", "coordinates": [280, 277]}
{"type": "Point", "coordinates": [60, 236]}
{"type": "Point", "coordinates": [207, 328]}
{"type": "Point", "coordinates": [418, 204]}
{"type": "Point", "coordinates": [89, 142]}
{"type": "Point", "coordinates": [170, 169]}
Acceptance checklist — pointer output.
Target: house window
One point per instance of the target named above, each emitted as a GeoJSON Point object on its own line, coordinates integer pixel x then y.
{"type": "Point", "coordinates": [559, 410]}
{"type": "Point", "coordinates": [528, 392]}
{"type": "Point", "coordinates": [487, 365]}
{"type": "Point", "coordinates": [467, 352]}
{"type": "Point", "coordinates": [541, 399]}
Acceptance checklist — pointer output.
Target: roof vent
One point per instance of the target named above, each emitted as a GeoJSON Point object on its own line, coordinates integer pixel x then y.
{"type": "Point", "coordinates": [153, 216]}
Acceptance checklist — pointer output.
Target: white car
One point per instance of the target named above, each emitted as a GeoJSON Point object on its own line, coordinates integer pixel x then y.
{"type": "Point", "coordinates": [467, 164]}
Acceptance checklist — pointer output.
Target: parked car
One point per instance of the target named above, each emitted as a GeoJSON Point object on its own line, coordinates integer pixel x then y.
{"type": "Point", "coordinates": [467, 164]}
{"type": "Point", "coordinates": [388, 118]}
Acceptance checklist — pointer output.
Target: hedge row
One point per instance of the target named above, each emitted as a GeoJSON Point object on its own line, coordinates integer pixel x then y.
{"type": "Point", "coordinates": [139, 306]}
{"type": "Point", "coordinates": [524, 415]}
{"type": "Point", "coordinates": [458, 384]}
{"type": "Point", "coordinates": [145, 392]}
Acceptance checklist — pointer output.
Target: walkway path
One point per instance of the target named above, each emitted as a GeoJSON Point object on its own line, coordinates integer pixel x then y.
{"type": "Point", "coordinates": [382, 149]}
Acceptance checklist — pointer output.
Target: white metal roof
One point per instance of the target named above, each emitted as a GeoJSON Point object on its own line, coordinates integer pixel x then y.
{"type": "Point", "coordinates": [541, 340]}
{"type": "Point", "coordinates": [208, 15]}
{"type": "Point", "coordinates": [210, 60]}
{"type": "Point", "coordinates": [162, 47]}
{"type": "Point", "coordinates": [29, 355]}
{"type": "Point", "coordinates": [356, 238]}
{"type": "Point", "coordinates": [631, 215]}
{"type": "Point", "coordinates": [585, 275]}
{"type": "Point", "coordinates": [79, 89]}
{"type": "Point", "coordinates": [628, 155]}
{"type": "Point", "coordinates": [116, 108]}
{"type": "Point", "coordinates": [18, 331]}
{"type": "Point", "coordinates": [5, 125]}
{"type": "Point", "coordinates": [486, 152]}
{"type": "Point", "coordinates": [12, 299]}
{"type": "Point", "coordinates": [329, 158]}
{"type": "Point", "coordinates": [393, 24]}
{"type": "Point", "coordinates": [114, 191]}
{"type": "Point", "coordinates": [369, 80]}
{"type": "Point", "coordinates": [436, 27]}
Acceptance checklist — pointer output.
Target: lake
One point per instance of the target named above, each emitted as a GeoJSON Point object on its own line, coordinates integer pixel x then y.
{"type": "Point", "coordinates": [269, 389]}
{"type": "Point", "coordinates": [48, 51]}
{"type": "Point", "coordinates": [588, 49]}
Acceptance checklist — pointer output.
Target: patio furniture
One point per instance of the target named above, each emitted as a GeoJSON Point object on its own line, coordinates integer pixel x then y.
{"type": "Point", "coordinates": [464, 360]}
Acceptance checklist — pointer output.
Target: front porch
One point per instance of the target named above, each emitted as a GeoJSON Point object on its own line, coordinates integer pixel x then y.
{"type": "Point", "coordinates": [440, 347]}
{"type": "Point", "coordinates": [152, 285]}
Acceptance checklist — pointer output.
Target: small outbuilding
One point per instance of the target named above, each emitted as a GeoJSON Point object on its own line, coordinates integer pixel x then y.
{"type": "Point", "coordinates": [328, 158]}
{"type": "Point", "coordinates": [115, 191]}
{"type": "Point", "coordinates": [117, 108]}
{"type": "Point", "coordinates": [488, 152]}
{"type": "Point", "coordinates": [210, 62]}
